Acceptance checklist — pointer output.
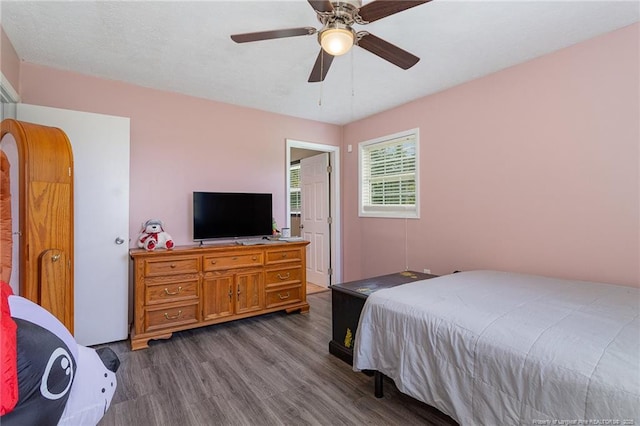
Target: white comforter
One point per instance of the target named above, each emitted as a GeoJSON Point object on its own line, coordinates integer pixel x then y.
{"type": "Point", "coordinates": [498, 348]}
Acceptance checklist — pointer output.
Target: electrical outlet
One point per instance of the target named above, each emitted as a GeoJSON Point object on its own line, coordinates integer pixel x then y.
{"type": "Point", "coordinates": [427, 271]}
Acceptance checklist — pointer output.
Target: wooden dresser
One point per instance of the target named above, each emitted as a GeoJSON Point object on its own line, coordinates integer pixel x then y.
{"type": "Point", "coordinates": [195, 286]}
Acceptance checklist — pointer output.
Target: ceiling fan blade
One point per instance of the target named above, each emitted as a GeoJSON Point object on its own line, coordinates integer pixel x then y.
{"type": "Point", "coordinates": [268, 35]}
{"type": "Point", "coordinates": [321, 67]}
{"type": "Point", "coordinates": [386, 50]}
{"type": "Point", "coordinates": [321, 5]}
{"type": "Point", "coordinates": [382, 8]}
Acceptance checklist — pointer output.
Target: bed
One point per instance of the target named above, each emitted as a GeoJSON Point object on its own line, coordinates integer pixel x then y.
{"type": "Point", "coordinates": [488, 347]}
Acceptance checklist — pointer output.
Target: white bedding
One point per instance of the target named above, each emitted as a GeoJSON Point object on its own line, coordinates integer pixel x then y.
{"type": "Point", "coordinates": [498, 348]}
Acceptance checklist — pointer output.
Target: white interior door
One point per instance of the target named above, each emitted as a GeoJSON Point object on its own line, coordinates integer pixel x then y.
{"type": "Point", "coordinates": [100, 145]}
{"type": "Point", "coordinates": [314, 181]}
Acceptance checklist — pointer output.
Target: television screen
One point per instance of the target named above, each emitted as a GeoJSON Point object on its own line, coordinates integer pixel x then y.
{"type": "Point", "coordinates": [231, 215]}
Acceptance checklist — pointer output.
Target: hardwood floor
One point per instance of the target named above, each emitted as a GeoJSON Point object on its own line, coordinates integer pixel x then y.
{"type": "Point", "coordinates": [315, 288]}
{"type": "Point", "coordinates": [269, 370]}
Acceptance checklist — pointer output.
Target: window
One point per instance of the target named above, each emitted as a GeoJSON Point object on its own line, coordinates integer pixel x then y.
{"type": "Point", "coordinates": [389, 176]}
{"type": "Point", "coordinates": [294, 188]}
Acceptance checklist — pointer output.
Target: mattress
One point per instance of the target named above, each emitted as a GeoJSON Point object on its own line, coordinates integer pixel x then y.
{"type": "Point", "coordinates": [488, 347]}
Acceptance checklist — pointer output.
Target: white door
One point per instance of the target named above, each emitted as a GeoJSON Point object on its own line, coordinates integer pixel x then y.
{"type": "Point", "coordinates": [314, 183]}
{"type": "Point", "coordinates": [100, 145]}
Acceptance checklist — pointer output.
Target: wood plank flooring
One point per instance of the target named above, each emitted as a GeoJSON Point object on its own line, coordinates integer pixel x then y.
{"type": "Point", "coordinates": [315, 288]}
{"type": "Point", "coordinates": [269, 370]}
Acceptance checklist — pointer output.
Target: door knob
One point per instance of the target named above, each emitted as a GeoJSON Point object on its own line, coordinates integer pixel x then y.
{"type": "Point", "coordinates": [301, 225]}
{"type": "Point", "coordinates": [119, 241]}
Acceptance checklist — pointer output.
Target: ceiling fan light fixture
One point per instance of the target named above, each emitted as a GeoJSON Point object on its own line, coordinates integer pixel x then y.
{"type": "Point", "coordinates": [337, 39]}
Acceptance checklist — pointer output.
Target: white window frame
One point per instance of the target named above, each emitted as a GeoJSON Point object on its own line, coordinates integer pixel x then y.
{"type": "Point", "coordinates": [389, 211]}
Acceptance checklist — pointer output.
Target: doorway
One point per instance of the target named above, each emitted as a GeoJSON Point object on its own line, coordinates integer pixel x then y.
{"type": "Point", "coordinates": [323, 252]}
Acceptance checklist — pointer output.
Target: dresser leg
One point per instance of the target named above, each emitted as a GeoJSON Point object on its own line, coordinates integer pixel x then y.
{"type": "Point", "coordinates": [143, 342]}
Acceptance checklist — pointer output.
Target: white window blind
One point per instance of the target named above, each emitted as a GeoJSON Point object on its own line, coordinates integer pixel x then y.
{"type": "Point", "coordinates": [294, 189]}
{"type": "Point", "coordinates": [389, 176]}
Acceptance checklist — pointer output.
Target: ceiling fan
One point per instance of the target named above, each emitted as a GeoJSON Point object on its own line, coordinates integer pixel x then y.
{"type": "Point", "coordinates": [336, 37]}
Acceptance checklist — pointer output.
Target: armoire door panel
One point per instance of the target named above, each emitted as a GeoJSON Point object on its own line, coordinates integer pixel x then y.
{"type": "Point", "coordinates": [53, 269]}
{"type": "Point", "coordinates": [50, 216]}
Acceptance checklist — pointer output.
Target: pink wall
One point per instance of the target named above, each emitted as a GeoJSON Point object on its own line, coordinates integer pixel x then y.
{"type": "Point", "coordinates": [180, 143]}
{"type": "Point", "coordinates": [533, 169]}
{"type": "Point", "coordinates": [9, 61]}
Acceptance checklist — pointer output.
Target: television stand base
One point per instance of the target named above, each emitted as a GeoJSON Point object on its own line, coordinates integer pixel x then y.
{"type": "Point", "coordinates": [259, 242]}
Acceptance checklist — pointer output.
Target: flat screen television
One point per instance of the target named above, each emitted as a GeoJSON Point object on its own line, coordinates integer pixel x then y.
{"type": "Point", "coordinates": [219, 215]}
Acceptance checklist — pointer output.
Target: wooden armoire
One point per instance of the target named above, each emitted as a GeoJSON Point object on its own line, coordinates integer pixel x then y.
{"type": "Point", "coordinates": [45, 196]}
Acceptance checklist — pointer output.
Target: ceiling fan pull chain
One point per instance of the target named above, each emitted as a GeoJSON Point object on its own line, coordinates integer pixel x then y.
{"type": "Point", "coordinates": [353, 89]}
{"type": "Point", "coordinates": [322, 80]}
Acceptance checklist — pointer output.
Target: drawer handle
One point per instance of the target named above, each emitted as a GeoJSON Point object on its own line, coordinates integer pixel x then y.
{"type": "Point", "coordinates": [254, 258]}
{"type": "Point", "coordinates": [284, 254]}
{"type": "Point", "coordinates": [172, 293]}
{"type": "Point", "coordinates": [173, 265]}
{"type": "Point", "coordinates": [285, 277]}
{"type": "Point", "coordinates": [235, 258]}
{"type": "Point", "coordinates": [284, 297]}
{"type": "Point", "coordinates": [178, 315]}
{"type": "Point", "coordinates": [213, 262]}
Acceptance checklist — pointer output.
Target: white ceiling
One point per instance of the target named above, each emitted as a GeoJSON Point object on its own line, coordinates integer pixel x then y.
{"type": "Point", "coordinates": [185, 47]}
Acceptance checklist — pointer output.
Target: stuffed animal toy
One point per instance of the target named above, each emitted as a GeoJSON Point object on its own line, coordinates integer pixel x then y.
{"type": "Point", "coordinates": [153, 236]}
{"type": "Point", "coordinates": [47, 378]}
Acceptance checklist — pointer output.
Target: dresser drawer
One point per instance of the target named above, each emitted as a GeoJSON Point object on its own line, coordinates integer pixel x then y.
{"type": "Point", "coordinates": [239, 260]}
{"type": "Point", "coordinates": [283, 255]}
{"type": "Point", "coordinates": [171, 291]}
{"type": "Point", "coordinates": [170, 317]}
{"type": "Point", "coordinates": [175, 265]}
{"type": "Point", "coordinates": [283, 296]}
{"type": "Point", "coordinates": [283, 276]}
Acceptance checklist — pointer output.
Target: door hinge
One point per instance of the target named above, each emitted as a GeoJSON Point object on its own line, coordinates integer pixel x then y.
{"type": "Point", "coordinates": [69, 171]}
{"type": "Point", "coordinates": [329, 169]}
{"type": "Point", "coordinates": [329, 220]}
{"type": "Point", "coordinates": [330, 271]}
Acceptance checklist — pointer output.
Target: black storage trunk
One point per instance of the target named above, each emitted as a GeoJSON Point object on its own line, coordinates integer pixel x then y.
{"type": "Point", "coordinates": [347, 301]}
